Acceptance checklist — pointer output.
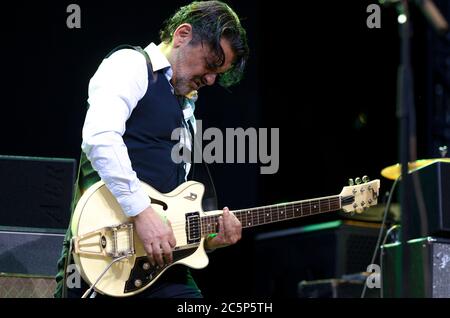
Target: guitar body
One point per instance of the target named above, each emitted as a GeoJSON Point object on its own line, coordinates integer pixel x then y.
{"type": "Point", "coordinates": [98, 209]}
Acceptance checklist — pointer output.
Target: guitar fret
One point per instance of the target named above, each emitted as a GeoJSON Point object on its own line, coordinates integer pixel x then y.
{"type": "Point", "coordinates": [318, 206]}
{"type": "Point", "coordinates": [249, 218]}
{"type": "Point", "coordinates": [322, 207]}
{"type": "Point", "coordinates": [297, 211]}
{"type": "Point", "coordinates": [315, 207]}
{"type": "Point", "coordinates": [267, 217]}
{"type": "Point", "coordinates": [307, 208]}
{"type": "Point", "coordinates": [282, 214]}
{"type": "Point", "coordinates": [261, 217]}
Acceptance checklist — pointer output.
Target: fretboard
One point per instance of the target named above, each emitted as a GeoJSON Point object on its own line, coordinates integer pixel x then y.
{"type": "Point", "coordinates": [275, 213]}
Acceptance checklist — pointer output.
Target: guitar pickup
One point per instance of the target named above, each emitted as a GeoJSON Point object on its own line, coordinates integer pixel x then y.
{"type": "Point", "coordinates": [193, 227]}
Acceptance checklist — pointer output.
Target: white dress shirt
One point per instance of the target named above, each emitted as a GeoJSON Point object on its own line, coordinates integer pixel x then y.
{"type": "Point", "coordinates": [114, 91]}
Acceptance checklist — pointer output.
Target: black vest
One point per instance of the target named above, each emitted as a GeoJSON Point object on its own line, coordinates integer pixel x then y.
{"type": "Point", "coordinates": [148, 135]}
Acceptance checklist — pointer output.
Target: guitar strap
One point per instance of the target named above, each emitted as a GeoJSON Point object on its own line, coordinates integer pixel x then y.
{"type": "Point", "coordinates": [203, 175]}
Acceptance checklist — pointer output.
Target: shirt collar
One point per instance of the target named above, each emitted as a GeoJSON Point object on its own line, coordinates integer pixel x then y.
{"type": "Point", "coordinates": [159, 61]}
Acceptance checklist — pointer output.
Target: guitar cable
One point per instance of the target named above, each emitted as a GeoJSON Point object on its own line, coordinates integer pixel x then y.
{"type": "Point", "coordinates": [101, 275]}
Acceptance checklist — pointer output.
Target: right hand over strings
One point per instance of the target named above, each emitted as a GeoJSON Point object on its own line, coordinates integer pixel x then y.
{"type": "Point", "coordinates": [157, 236]}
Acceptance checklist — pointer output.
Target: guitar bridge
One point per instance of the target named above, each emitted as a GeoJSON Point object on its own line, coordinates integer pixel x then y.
{"type": "Point", "coordinates": [113, 241]}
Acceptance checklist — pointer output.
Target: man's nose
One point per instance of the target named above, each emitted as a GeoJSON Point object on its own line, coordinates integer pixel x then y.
{"type": "Point", "coordinates": [209, 78]}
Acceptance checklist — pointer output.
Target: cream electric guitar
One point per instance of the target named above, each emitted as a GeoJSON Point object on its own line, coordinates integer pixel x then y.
{"type": "Point", "coordinates": [112, 259]}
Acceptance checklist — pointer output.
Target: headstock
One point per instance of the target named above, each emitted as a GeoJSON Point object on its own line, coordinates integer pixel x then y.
{"type": "Point", "coordinates": [360, 196]}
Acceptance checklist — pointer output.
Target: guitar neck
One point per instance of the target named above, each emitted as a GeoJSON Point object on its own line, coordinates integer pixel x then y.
{"type": "Point", "coordinates": [277, 212]}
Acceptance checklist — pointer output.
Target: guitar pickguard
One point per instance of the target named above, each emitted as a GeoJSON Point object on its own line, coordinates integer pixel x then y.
{"type": "Point", "coordinates": [143, 273]}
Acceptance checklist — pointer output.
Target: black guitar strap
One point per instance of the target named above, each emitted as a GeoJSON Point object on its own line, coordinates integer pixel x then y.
{"type": "Point", "coordinates": [202, 174]}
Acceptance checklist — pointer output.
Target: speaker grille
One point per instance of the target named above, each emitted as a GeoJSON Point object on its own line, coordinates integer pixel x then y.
{"type": "Point", "coordinates": [30, 251]}
{"type": "Point", "coordinates": [36, 192]}
{"type": "Point", "coordinates": [359, 252]}
{"type": "Point", "coordinates": [429, 268]}
{"type": "Point", "coordinates": [27, 287]}
{"type": "Point", "coordinates": [441, 270]}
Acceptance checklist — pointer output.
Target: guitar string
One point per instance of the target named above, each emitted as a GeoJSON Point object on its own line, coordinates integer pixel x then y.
{"type": "Point", "coordinates": [260, 215]}
{"type": "Point", "coordinates": [290, 212]}
{"type": "Point", "coordinates": [289, 208]}
{"type": "Point", "coordinates": [257, 213]}
{"type": "Point", "coordinates": [202, 226]}
{"type": "Point", "coordinates": [179, 228]}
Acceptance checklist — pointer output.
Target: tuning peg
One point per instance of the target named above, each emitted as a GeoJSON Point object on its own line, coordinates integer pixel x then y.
{"type": "Point", "coordinates": [365, 179]}
{"type": "Point", "coordinates": [351, 182]}
{"type": "Point", "coordinates": [358, 180]}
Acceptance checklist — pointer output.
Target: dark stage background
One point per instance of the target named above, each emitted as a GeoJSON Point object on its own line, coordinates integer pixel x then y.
{"type": "Point", "coordinates": [316, 72]}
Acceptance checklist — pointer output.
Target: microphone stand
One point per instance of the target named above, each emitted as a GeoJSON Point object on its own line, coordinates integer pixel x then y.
{"type": "Point", "coordinates": [407, 121]}
{"type": "Point", "coordinates": [405, 112]}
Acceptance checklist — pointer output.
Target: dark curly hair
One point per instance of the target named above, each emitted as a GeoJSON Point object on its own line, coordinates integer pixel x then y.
{"type": "Point", "coordinates": [210, 21]}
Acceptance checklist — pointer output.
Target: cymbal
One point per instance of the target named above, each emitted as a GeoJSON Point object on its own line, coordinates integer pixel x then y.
{"type": "Point", "coordinates": [394, 171]}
